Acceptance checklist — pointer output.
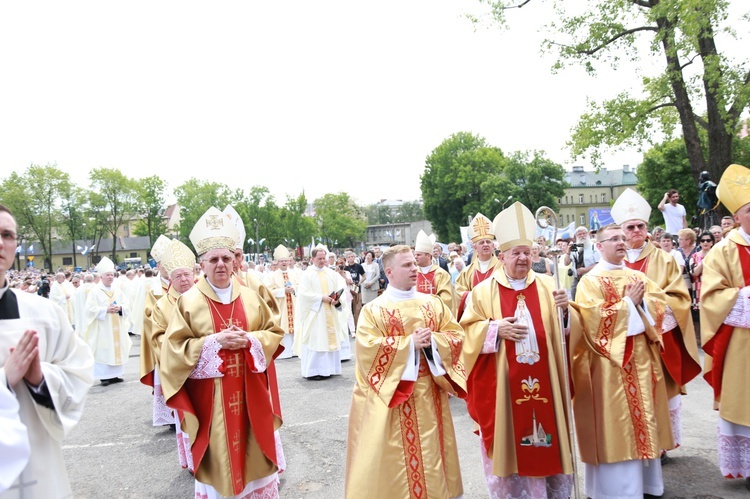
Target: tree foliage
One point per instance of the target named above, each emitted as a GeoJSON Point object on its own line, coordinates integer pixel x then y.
{"type": "Point", "coordinates": [700, 91]}
{"type": "Point", "coordinates": [120, 197]}
{"type": "Point", "coordinates": [340, 220]}
{"type": "Point", "coordinates": [34, 197]}
{"type": "Point", "coordinates": [452, 182]}
{"type": "Point", "coordinates": [151, 201]}
{"type": "Point", "coordinates": [464, 176]}
{"type": "Point", "coordinates": [299, 228]}
{"type": "Point", "coordinates": [666, 166]}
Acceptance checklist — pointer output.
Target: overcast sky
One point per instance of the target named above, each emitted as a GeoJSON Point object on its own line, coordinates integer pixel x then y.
{"type": "Point", "coordinates": [321, 96]}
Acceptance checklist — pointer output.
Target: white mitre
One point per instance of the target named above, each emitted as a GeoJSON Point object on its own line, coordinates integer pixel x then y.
{"type": "Point", "coordinates": [424, 243]}
{"type": "Point", "coordinates": [518, 227]}
{"type": "Point", "coordinates": [630, 206]}
{"type": "Point", "coordinates": [177, 256]}
{"type": "Point", "coordinates": [213, 230]}
{"type": "Point", "coordinates": [281, 252]}
{"type": "Point", "coordinates": [157, 250]}
{"type": "Point", "coordinates": [105, 265]}
{"type": "Point", "coordinates": [480, 228]}
{"type": "Point", "coordinates": [235, 218]}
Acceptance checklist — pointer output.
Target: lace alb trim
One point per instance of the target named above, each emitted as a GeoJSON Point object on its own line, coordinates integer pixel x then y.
{"type": "Point", "coordinates": [209, 362]}
{"type": "Point", "coordinates": [739, 316]}
{"type": "Point", "coordinates": [524, 487]}
{"type": "Point", "coordinates": [490, 341]}
{"type": "Point", "coordinates": [162, 414]}
{"type": "Point", "coordinates": [256, 352]}
{"type": "Point", "coordinates": [734, 455]}
{"type": "Point", "coordinates": [670, 322]}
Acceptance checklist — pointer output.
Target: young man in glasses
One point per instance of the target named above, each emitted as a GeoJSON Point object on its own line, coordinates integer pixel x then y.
{"type": "Point", "coordinates": [620, 404]}
{"type": "Point", "coordinates": [680, 352]}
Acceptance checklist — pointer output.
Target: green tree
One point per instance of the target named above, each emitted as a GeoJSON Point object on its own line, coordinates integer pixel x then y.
{"type": "Point", "coordinates": [298, 227]}
{"type": "Point", "coordinates": [121, 198]}
{"type": "Point", "coordinates": [151, 203]}
{"type": "Point", "coordinates": [698, 90]}
{"type": "Point", "coordinates": [74, 203]}
{"type": "Point", "coordinates": [340, 219]}
{"type": "Point", "coordinates": [454, 182]}
{"type": "Point", "coordinates": [34, 197]}
{"type": "Point", "coordinates": [195, 197]}
{"type": "Point", "coordinates": [378, 214]}
{"type": "Point", "coordinates": [666, 166]}
{"type": "Point", "coordinates": [262, 218]}
{"type": "Point", "coordinates": [537, 180]}
{"type": "Point", "coordinates": [410, 211]}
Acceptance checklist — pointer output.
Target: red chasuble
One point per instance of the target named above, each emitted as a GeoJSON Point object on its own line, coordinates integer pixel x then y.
{"type": "Point", "coordinates": [717, 346]}
{"type": "Point", "coordinates": [536, 437]}
{"type": "Point", "coordinates": [245, 395]}
{"type": "Point", "coordinates": [475, 280]}
{"type": "Point", "coordinates": [426, 282]}
{"type": "Point", "coordinates": [677, 360]}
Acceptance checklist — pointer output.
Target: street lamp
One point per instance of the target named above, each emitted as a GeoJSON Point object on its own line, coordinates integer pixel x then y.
{"type": "Point", "coordinates": [502, 207]}
{"type": "Point", "coordinates": [257, 244]}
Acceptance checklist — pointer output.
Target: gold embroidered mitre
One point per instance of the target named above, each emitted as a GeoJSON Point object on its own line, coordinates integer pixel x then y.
{"type": "Point", "coordinates": [235, 218]}
{"type": "Point", "coordinates": [213, 230]}
{"type": "Point", "coordinates": [480, 228]}
{"type": "Point", "coordinates": [157, 250]}
{"type": "Point", "coordinates": [424, 243]}
{"type": "Point", "coordinates": [105, 265]}
{"type": "Point", "coordinates": [734, 187]}
{"type": "Point", "coordinates": [518, 227]}
{"type": "Point", "coordinates": [281, 252]}
{"type": "Point", "coordinates": [630, 206]}
{"type": "Point", "coordinates": [177, 256]}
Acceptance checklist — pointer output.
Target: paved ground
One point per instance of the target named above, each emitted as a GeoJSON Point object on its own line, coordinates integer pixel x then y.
{"type": "Point", "coordinates": [115, 452]}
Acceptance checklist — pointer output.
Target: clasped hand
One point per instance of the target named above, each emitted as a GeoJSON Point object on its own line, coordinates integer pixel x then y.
{"type": "Point", "coordinates": [232, 338]}
{"type": "Point", "coordinates": [24, 362]}
{"type": "Point", "coordinates": [113, 308]}
{"type": "Point", "coordinates": [507, 329]}
{"type": "Point", "coordinates": [422, 337]}
{"type": "Point", "coordinates": [635, 291]}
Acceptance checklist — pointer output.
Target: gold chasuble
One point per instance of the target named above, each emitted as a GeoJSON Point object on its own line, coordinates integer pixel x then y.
{"type": "Point", "coordinates": [516, 395]}
{"type": "Point", "coordinates": [230, 419]}
{"type": "Point", "coordinates": [620, 403]}
{"type": "Point", "coordinates": [401, 441]}
{"type": "Point", "coordinates": [150, 357]}
{"type": "Point", "coordinates": [470, 277]}
{"type": "Point", "coordinates": [680, 352]}
{"type": "Point", "coordinates": [726, 269]}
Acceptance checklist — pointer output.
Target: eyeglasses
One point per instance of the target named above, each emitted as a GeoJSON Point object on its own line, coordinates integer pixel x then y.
{"type": "Point", "coordinates": [706, 241]}
{"type": "Point", "coordinates": [8, 236]}
{"type": "Point", "coordinates": [637, 226]}
{"type": "Point", "coordinates": [226, 259]}
{"type": "Point", "coordinates": [616, 239]}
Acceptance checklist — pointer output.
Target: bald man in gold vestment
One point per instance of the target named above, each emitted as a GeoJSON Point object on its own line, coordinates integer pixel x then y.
{"type": "Point", "coordinates": [620, 403]}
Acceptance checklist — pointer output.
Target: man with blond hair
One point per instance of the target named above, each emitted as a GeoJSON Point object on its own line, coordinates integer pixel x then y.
{"type": "Point", "coordinates": [401, 441]}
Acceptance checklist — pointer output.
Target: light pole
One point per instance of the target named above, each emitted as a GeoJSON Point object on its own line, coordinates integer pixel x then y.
{"type": "Point", "coordinates": [257, 243]}
{"type": "Point", "coordinates": [502, 206]}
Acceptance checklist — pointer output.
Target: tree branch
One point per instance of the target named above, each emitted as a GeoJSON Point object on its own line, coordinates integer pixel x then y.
{"type": "Point", "coordinates": [735, 110]}
{"type": "Point", "coordinates": [643, 3]}
{"type": "Point", "coordinates": [657, 107]}
{"type": "Point", "coordinates": [699, 119]}
{"type": "Point", "coordinates": [524, 2]}
{"type": "Point", "coordinates": [689, 62]}
{"type": "Point", "coordinates": [616, 37]}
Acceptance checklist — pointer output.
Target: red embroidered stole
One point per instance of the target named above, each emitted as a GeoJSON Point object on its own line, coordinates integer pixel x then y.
{"type": "Point", "coordinates": [289, 304]}
{"type": "Point", "coordinates": [476, 278]}
{"type": "Point", "coordinates": [536, 441]}
{"type": "Point", "coordinates": [716, 347]}
{"type": "Point", "coordinates": [426, 282]}
{"type": "Point", "coordinates": [678, 362]}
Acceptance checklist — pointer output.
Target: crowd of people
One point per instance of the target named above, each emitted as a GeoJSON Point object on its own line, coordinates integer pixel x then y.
{"type": "Point", "coordinates": [560, 345]}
